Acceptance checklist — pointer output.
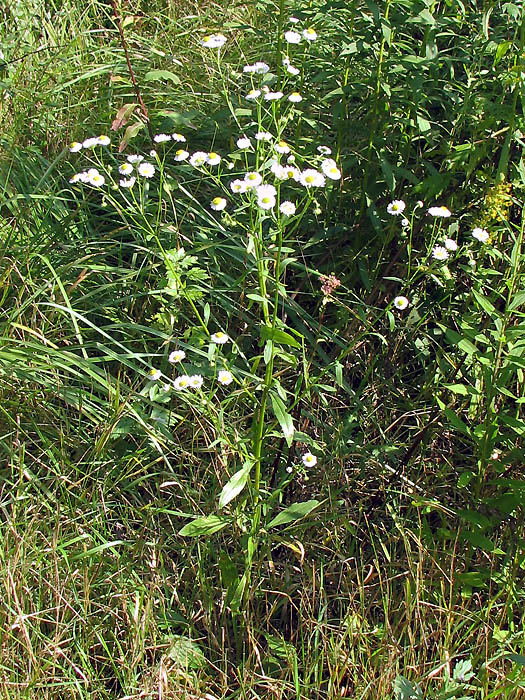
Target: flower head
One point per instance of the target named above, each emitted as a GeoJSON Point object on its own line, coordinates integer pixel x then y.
{"type": "Point", "coordinates": [440, 253]}
{"type": "Point", "coordinates": [405, 223]}
{"type": "Point", "coordinates": [396, 207]}
{"type": "Point", "coordinates": [90, 143]}
{"type": "Point", "coordinates": [273, 96]}
{"type": "Point", "coordinates": [400, 303]}
{"type": "Point", "coordinates": [238, 186]}
{"type": "Point", "coordinates": [292, 37]}
{"type": "Point", "coordinates": [324, 150]}
{"type": "Point", "coordinates": [161, 138]}
{"type": "Point", "coordinates": [292, 70]}
{"type": "Point", "coordinates": [263, 136]}
{"type": "Point", "coordinates": [125, 169]}
{"type": "Point", "coordinates": [219, 338]}
{"type": "Point", "coordinates": [182, 382]}
{"type": "Point", "coordinates": [176, 356]}
{"type": "Point", "coordinates": [179, 138]}
{"type": "Point", "coordinates": [450, 244]}
{"type": "Point", "coordinates": [295, 97]}
{"type": "Point", "coordinates": [134, 158]}
{"type": "Point", "coordinates": [442, 212]}
{"type": "Point", "coordinates": [213, 41]}
{"type": "Point", "coordinates": [180, 155]}
{"type": "Point", "coordinates": [146, 170]}
{"type": "Point", "coordinates": [225, 377]}
{"type": "Point", "coordinates": [312, 178]}
{"type": "Point", "coordinates": [96, 179]}
{"type": "Point", "coordinates": [253, 94]}
{"type": "Point", "coordinates": [266, 196]}
{"type": "Point", "coordinates": [259, 67]}
{"type": "Point", "coordinates": [244, 142]}
{"type": "Point", "coordinates": [330, 169]}
{"type": "Point", "coordinates": [196, 381]}
{"type": "Point", "coordinates": [198, 159]}
{"type": "Point", "coordinates": [103, 140]}
{"type": "Point", "coordinates": [155, 374]}
{"type": "Point", "coordinates": [282, 147]}
{"type": "Point", "coordinates": [252, 179]}
{"type": "Point", "coordinates": [287, 208]}
{"type": "Point", "coordinates": [310, 34]}
{"type": "Point", "coordinates": [218, 203]}
{"type": "Point", "coordinates": [213, 158]}
{"type": "Point", "coordinates": [75, 146]}
{"type": "Point", "coordinates": [127, 182]}
{"type": "Point", "coordinates": [481, 235]}
{"type": "Point", "coordinates": [309, 460]}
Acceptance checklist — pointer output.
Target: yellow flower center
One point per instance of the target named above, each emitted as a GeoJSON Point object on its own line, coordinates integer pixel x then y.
{"type": "Point", "coordinates": [309, 178]}
{"type": "Point", "coordinates": [212, 156]}
{"type": "Point", "coordinates": [217, 200]}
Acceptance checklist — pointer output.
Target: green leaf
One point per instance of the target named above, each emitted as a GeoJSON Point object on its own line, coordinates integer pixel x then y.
{"type": "Point", "coordinates": [235, 485]}
{"type": "Point", "coordinates": [284, 418]}
{"type": "Point", "coordinates": [294, 512]}
{"type": "Point", "coordinates": [206, 525]}
{"type": "Point", "coordinates": [130, 133]}
{"type": "Point", "coordinates": [278, 336]}
{"type": "Point", "coordinates": [517, 658]}
{"type": "Point", "coordinates": [465, 478]}
{"type": "Point", "coordinates": [461, 389]}
{"type": "Point", "coordinates": [517, 300]}
{"type": "Point", "coordinates": [186, 653]}
{"type": "Point", "coordinates": [162, 75]}
{"type": "Point", "coordinates": [482, 300]}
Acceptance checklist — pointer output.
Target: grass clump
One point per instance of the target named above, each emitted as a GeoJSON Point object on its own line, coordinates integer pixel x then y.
{"type": "Point", "coordinates": [261, 359]}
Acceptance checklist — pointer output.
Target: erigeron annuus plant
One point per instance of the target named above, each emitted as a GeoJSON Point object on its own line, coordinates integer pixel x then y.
{"type": "Point", "coordinates": [261, 190]}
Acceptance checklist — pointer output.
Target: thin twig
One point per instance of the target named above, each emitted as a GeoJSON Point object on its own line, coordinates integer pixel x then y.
{"type": "Point", "coordinates": [130, 69]}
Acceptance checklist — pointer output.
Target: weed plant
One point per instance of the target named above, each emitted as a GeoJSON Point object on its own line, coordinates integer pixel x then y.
{"type": "Point", "coordinates": [262, 350]}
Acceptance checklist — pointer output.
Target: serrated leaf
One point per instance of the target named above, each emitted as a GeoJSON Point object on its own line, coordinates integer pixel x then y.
{"type": "Point", "coordinates": [293, 513]}
{"type": "Point", "coordinates": [284, 418]}
{"type": "Point", "coordinates": [235, 485]}
{"type": "Point", "coordinates": [206, 525]}
{"type": "Point", "coordinates": [162, 75]}
{"type": "Point", "coordinates": [186, 653]}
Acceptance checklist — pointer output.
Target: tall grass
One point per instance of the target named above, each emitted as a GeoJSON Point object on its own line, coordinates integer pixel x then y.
{"type": "Point", "coordinates": [336, 509]}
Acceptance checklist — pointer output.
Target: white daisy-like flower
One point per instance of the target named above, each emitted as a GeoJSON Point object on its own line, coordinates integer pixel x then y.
{"type": "Point", "coordinates": [178, 137]}
{"type": "Point", "coordinates": [225, 377]}
{"type": "Point", "coordinates": [266, 190]}
{"type": "Point", "coordinates": [127, 182]}
{"type": "Point", "coordinates": [259, 67]}
{"type": "Point", "coordinates": [396, 207]}
{"type": "Point", "coordinates": [83, 176]}
{"type": "Point", "coordinates": [155, 374]}
{"type": "Point", "coordinates": [74, 178]}
{"type": "Point", "coordinates": [161, 138]}
{"type": "Point", "coordinates": [273, 96]}
{"type": "Point", "coordinates": [282, 147]}
{"type": "Point", "coordinates": [292, 37]}
{"type": "Point", "coordinates": [213, 41]}
{"type": "Point", "coordinates": [286, 61]}
{"type": "Point", "coordinates": [293, 173]}
{"type": "Point", "coordinates": [439, 253]}
{"type": "Point", "coordinates": [442, 212]}
{"type": "Point", "coordinates": [481, 235]}
{"type": "Point", "coordinates": [309, 460]}
{"type": "Point", "coordinates": [238, 186]}
{"type": "Point", "coordinates": [263, 136]}
{"type": "Point", "coordinates": [96, 180]}
{"type": "Point", "coordinates": [75, 146]}
{"type": "Point", "coordinates": [295, 97]}
{"type": "Point", "coordinates": [218, 203]}
{"type": "Point", "coordinates": [310, 34]}
{"type": "Point", "coordinates": [253, 94]}
{"type": "Point", "coordinates": [198, 159]}
{"type": "Point", "coordinates": [196, 381]}
{"type": "Point", "coordinates": [146, 170]}
{"type": "Point", "coordinates": [252, 179]}
{"type": "Point", "coordinates": [279, 171]}
{"type": "Point", "coordinates": [324, 150]}
{"type": "Point", "coordinates": [90, 143]}
{"type": "Point", "coordinates": [287, 208]}
{"type": "Point", "coordinates": [125, 169]}
{"type": "Point", "coordinates": [182, 382]}
{"type": "Point", "coordinates": [450, 244]}
{"type": "Point", "coordinates": [294, 20]}
{"type": "Point", "coordinates": [180, 155]}
{"type": "Point", "coordinates": [166, 387]}
{"type": "Point", "coordinates": [312, 178]}
{"type": "Point", "coordinates": [219, 338]}
{"type": "Point", "coordinates": [134, 158]}
{"type": "Point", "coordinates": [244, 142]}
{"type": "Point", "coordinates": [103, 140]}
{"type": "Point", "coordinates": [405, 223]}
{"type": "Point", "coordinates": [92, 171]}
{"type": "Point", "coordinates": [330, 169]}
{"type": "Point", "coordinates": [400, 303]}
{"type": "Point", "coordinates": [292, 70]}
{"type": "Point", "coordinates": [213, 158]}
{"type": "Point", "coordinates": [266, 201]}
{"type": "Point", "coordinates": [176, 356]}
